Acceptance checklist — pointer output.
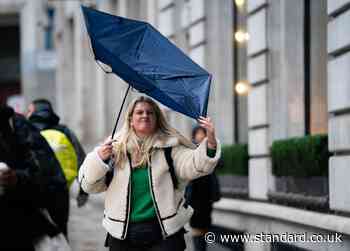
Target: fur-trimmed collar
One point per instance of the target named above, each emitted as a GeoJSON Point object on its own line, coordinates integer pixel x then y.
{"type": "Point", "coordinates": [164, 141]}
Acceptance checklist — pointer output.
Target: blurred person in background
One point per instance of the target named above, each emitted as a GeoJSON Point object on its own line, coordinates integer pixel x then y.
{"type": "Point", "coordinates": [55, 186]}
{"type": "Point", "coordinates": [201, 193]}
{"type": "Point", "coordinates": [67, 149]}
{"type": "Point", "coordinates": [23, 187]}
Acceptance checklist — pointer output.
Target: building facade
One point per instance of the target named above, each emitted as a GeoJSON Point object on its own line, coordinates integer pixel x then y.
{"type": "Point", "coordinates": [296, 59]}
{"type": "Point", "coordinates": [280, 71]}
{"type": "Point", "coordinates": [56, 61]}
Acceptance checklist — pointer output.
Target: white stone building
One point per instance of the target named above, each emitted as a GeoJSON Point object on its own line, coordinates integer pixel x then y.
{"type": "Point", "coordinates": [57, 62]}
{"type": "Point", "coordinates": [296, 60]}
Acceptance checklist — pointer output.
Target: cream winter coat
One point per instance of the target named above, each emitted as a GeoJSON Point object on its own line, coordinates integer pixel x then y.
{"type": "Point", "coordinates": [169, 203]}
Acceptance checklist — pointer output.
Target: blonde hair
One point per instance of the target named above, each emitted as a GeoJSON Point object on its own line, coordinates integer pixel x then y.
{"type": "Point", "coordinates": [127, 140]}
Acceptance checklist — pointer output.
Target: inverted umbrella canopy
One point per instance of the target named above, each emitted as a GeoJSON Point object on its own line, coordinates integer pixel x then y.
{"type": "Point", "coordinates": [149, 62]}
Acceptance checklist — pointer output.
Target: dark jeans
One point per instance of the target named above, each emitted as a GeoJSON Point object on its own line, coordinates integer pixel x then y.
{"type": "Point", "coordinates": [201, 217]}
{"type": "Point", "coordinates": [199, 243]}
{"type": "Point", "coordinates": [147, 237]}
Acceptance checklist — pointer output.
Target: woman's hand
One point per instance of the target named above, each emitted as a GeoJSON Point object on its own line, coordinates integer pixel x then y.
{"type": "Point", "coordinates": [105, 151]}
{"type": "Point", "coordinates": [208, 125]}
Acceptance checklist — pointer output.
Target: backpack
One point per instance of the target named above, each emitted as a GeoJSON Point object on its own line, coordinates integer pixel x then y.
{"type": "Point", "coordinates": [64, 152]}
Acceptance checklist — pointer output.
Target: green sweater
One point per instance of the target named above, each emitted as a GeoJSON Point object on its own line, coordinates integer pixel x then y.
{"type": "Point", "coordinates": [142, 207]}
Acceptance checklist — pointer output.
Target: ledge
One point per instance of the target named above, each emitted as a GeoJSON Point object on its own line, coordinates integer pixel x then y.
{"type": "Point", "coordinates": [327, 222]}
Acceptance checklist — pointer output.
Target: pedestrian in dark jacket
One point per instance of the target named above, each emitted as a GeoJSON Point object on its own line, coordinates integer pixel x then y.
{"type": "Point", "coordinates": [200, 194]}
{"type": "Point", "coordinates": [42, 152]}
{"type": "Point", "coordinates": [56, 194]}
{"type": "Point", "coordinates": [22, 189]}
{"type": "Point", "coordinates": [42, 116]}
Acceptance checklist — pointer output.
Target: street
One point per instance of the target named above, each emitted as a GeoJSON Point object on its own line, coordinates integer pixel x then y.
{"type": "Point", "coordinates": [85, 224]}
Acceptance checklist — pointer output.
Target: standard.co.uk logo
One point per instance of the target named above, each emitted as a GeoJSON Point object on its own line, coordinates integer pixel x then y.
{"type": "Point", "coordinates": [211, 237]}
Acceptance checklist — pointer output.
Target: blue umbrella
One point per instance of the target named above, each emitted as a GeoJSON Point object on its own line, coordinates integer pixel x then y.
{"type": "Point", "coordinates": [149, 62]}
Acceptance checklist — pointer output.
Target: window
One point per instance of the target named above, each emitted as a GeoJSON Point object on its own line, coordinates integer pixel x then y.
{"type": "Point", "coordinates": [49, 41]}
{"type": "Point", "coordinates": [315, 54]}
{"type": "Point", "coordinates": [240, 71]}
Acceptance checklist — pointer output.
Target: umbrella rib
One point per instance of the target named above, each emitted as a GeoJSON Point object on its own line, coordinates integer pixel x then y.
{"type": "Point", "coordinates": [189, 91]}
{"type": "Point", "coordinates": [141, 42]}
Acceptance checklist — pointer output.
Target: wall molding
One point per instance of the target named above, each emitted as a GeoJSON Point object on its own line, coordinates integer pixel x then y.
{"type": "Point", "coordinates": [329, 222]}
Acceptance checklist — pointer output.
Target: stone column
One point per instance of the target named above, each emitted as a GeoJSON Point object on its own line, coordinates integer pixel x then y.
{"type": "Point", "coordinates": [218, 61]}
{"type": "Point", "coordinates": [79, 73]}
{"type": "Point", "coordinates": [339, 104]}
{"type": "Point", "coordinates": [286, 71]}
{"type": "Point", "coordinates": [260, 175]}
{"type": "Point", "coordinates": [92, 93]}
{"type": "Point", "coordinates": [37, 63]}
{"type": "Point", "coordinates": [65, 71]}
{"type": "Point", "coordinates": [276, 73]}
{"type": "Point", "coordinates": [28, 47]}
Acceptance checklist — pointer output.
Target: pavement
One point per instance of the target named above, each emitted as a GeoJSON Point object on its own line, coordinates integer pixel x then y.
{"type": "Point", "coordinates": [85, 231]}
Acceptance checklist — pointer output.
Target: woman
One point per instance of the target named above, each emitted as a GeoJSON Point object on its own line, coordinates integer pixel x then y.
{"type": "Point", "coordinates": [201, 193]}
{"type": "Point", "coordinates": [143, 209]}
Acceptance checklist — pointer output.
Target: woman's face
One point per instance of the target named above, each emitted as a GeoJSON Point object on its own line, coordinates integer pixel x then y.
{"type": "Point", "coordinates": [199, 136]}
{"type": "Point", "coordinates": [143, 119]}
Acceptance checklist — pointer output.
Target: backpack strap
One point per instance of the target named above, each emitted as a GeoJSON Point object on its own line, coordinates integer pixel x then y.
{"type": "Point", "coordinates": [170, 161]}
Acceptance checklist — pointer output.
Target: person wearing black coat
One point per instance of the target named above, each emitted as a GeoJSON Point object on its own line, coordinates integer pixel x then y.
{"type": "Point", "coordinates": [56, 194]}
{"type": "Point", "coordinates": [42, 154]}
{"type": "Point", "coordinates": [201, 193]}
{"type": "Point", "coordinates": [23, 187]}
